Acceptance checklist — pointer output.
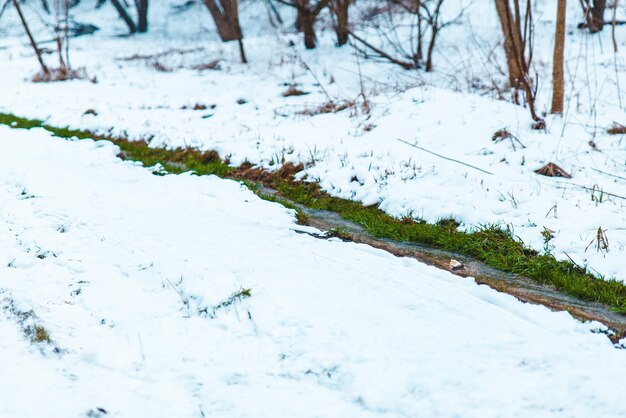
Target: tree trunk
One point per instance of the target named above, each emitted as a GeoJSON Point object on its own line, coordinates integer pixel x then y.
{"type": "Point", "coordinates": [299, 25]}
{"type": "Point", "coordinates": [121, 10]}
{"type": "Point", "coordinates": [340, 8]}
{"type": "Point", "coordinates": [308, 27]}
{"type": "Point", "coordinates": [420, 34]}
{"type": "Point", "coordinates": [512, 42]}
{"type": "Point", "coordinates": [226, 19]}
{"type": "Point", "coordinates": [559, 56]}
{"type": "Point", "coordinates": [596, 16]}
{"type": "Point", "coordinates": [142, 14]}
{"type": "Point", "coordinates": [431, 48]}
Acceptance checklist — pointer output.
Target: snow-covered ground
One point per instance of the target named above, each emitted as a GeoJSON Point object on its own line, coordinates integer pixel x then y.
{"type": "Point", "coordinates": [186, 296]}
{"type": "Point", "coordinates": [354, 154]}
{"type": "Point", "coordinates": [127, 271]}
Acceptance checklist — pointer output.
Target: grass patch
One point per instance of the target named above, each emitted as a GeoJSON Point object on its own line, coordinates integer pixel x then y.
{"type": "Point", "coordinates": [237, 296]}
{"type": "Point", "coordinates": [41, 335]}
{"type": "Point", "coordinates": [491, 244]}
{"type": "Point", "coordinates": [174, 161]}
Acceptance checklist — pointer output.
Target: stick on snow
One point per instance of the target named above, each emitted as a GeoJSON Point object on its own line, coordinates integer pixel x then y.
{"type": "Point", "coordinates": [445, 158]}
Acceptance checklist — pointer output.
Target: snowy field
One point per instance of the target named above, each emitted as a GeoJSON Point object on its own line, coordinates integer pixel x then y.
{"type": "Point", "coordinates": [128, 272]}
{"type": "Point", "coordinates": [356, 154]}
{"type": "Point", "coordinates": [126, 294]}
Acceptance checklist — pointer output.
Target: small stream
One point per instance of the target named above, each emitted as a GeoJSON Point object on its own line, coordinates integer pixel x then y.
{"type": "Point", "coordinates": [521, 287]}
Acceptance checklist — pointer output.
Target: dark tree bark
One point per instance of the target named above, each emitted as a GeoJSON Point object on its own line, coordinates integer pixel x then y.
{"type": "Point", "coordinates": [307, 20]}
{"type": "Point", "coordinates": [340, 10]}
{"type": "Point", "coordinates": [594, 15]}
{"type": "Point", "coordinates": [597, 16]}
{"type": "Point", "coordinates": [121, 10]}
{"type": "Point", "coordinates": [306, 16]}
{"type": "Point", "coordinates": [225, 14]}
{"type": "Point", "coordinates": [142, 16]}
{"type": "Point", "coordinates": [433, 21]}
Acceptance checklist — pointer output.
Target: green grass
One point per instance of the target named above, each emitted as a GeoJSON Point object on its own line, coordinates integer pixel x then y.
{"type": "Point", "coordinates": [491, 244]}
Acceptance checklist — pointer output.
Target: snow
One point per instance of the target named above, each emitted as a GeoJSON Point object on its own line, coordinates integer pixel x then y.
{"type": "Point", "coordinates": [118, 264]}
{"type": "Point", "coordinates": [135, 275]}
{"type": "Point", "coordinates": [444, 112]}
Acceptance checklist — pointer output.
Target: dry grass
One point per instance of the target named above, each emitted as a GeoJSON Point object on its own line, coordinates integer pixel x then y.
{"type": "Point", "coordinates": [617, 129]}
{"type": "Point", "coordinates": [553, 170]}
{"type": "Point", "coordinates": [62, 74]}
{"type": "Point", "coordinates": [211, 65]}
{"type": "Point", "coordinates": [41, 335]}
{"type": "Point", "coordinates": [328, 107]}
{"type": "Point", "coordinates": [293, 90]}
{"type": "Point", "coordinates": [199, 106]}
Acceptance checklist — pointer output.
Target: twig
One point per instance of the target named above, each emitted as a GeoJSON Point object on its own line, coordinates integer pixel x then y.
{"type": "Point", "coordinates": [573, 262]}
{"type": "Point", "coordinates": [591, 190]}
{"type": "Point", "coordinates": [33, 43]}
{"type": "Point", "coordinates": [306, 67]}
{"type": "Point", "coordinates": [185, 302]}
{"type": "Point", "coordinates": [383, 54]}
{"type": "Point", "coordinates": [445, 158]}
{"type": "Point", "coordinates": [608, 174]}
{"type": "Point", "coordinates": [4, 7]}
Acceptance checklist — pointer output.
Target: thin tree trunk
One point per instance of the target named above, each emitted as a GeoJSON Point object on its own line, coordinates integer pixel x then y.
{"type": "Point", "coordinates": [420, 33]}
{"type": "Point", "coordinates": [504, 12]}
{"type": "Point", "coordinates": [431, 48]}
{"type": "Point", "coordinates": [142, 13]}
{"type": "Point", "coordinates": [613, 21]}
{"type": "Point", "coordinates": [33, 43]}
{"type": "Point", "coordinates": [242, 52]}
{"type": "Point", "coordinates": [121, 10]}
{"type": "Point", "coordinates": [559, 52]}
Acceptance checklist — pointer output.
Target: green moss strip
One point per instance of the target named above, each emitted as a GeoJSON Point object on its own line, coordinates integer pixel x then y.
{"type": "Point", "coordinates": [490, 244]}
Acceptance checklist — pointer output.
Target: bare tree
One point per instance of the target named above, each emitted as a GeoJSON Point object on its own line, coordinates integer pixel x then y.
{"type": "Point", "coordinates": [559, 52]}
{"type": "Point", "coordinates": [142, 15]}
{"type": "Point", "coordinates": [307, 15]}
{"type": "Point", "coordinates": [226, 16]}
{"type": "Point", "coordinates": [512, 42]}
{"type": "Point", "coordinates": [594, 14]}
{"type": "Point", "coordinates": [340, 10]}
{"type": "Point", "coordinates": [33, 43]}
{"type": "Point", "coordinates": [518, 30]}
{"type": "Point", "coordinates": [408, 53]}
{"type": "Point", "coordinates": [432, 19]}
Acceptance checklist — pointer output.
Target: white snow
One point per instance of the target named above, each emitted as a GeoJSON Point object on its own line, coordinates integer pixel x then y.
{"type": "Point", "coordinates": [354, 154]}
{"type": "Point", "coordinates": [131, 273]}
{"type": "Point", "coordinates": [118, 264]}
